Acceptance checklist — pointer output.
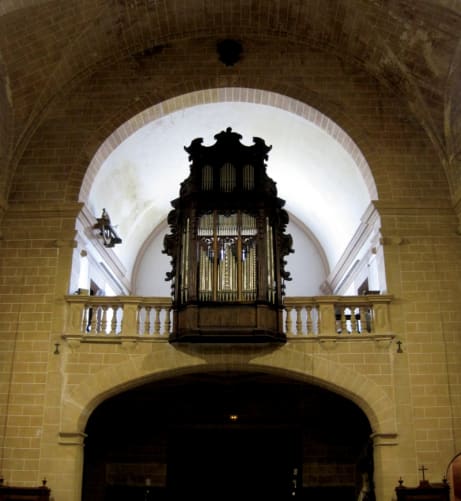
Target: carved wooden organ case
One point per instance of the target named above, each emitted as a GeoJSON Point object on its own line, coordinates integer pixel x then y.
{"type": "Point", "coordinates": [227, 245]}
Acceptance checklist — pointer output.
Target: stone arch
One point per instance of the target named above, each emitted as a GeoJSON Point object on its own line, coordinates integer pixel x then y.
{"type": "Point", "coordinates": [227, 94]}
{"type": "Point", "coordinates": [167, 361]}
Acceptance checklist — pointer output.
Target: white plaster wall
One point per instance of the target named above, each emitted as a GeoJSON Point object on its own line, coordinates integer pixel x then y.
{"type": "Point", "coordinates": [308, 270]}
{"type": "Point", "coordinates": [320, 178]}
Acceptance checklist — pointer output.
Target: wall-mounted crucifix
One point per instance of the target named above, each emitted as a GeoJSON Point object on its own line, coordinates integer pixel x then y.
{"type": "Point", "coordinates": [422, 469]}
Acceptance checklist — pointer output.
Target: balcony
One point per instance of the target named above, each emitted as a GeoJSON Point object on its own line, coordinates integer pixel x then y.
{"type": "Point", "coordinates": [116, 319]}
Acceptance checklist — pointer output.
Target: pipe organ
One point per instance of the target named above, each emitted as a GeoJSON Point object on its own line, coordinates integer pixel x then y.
{"type": "Point", "coordinates": [227, 244]}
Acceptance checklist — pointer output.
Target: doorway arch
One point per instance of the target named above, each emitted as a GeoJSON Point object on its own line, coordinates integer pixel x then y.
{"type": "Point", "coordinates": [326, 373]}
{"type": "Point", "coordinates": [166, 362]}
{"type": "Point", "coordinates": [227, 435]}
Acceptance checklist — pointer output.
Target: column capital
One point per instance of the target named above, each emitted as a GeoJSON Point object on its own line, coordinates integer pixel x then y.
{"type": "Point", "coordinates": [384, 438]}
{"type": "Point", "coordinates": [72, 438]}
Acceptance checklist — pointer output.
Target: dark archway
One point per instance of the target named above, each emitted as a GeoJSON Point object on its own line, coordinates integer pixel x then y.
{"type": "Point", "coordinates": [226, 436]}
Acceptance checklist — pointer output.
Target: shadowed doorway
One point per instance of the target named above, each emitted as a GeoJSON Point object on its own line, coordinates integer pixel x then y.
{"type": "Point", "coordinates": [230, 464]}
{"type": "Point", "coordinates": [226, 435]}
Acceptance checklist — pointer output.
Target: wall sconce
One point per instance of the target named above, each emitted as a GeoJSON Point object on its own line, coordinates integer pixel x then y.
{"type": "Point", "coordinates": [106, 231]}
{"type": "Point", "coordinates": [56, 349]}
{"type": "Point", "coordinates": [399, 349]}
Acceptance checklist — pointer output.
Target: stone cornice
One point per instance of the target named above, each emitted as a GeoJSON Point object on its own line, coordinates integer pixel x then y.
{"type": "Point", "coordinates": [390, 207]}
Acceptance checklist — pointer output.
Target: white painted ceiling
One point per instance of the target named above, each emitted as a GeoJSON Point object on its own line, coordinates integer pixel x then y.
{"type": "Point", "coordinates": [320, 181]}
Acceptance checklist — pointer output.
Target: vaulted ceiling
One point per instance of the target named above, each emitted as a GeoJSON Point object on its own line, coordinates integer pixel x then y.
{"type": "Point", "coordinates": [51, 50]}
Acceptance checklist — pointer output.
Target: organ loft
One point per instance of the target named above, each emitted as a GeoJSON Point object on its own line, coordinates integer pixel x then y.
{"type": "Point", "coordinates": [228, 244]}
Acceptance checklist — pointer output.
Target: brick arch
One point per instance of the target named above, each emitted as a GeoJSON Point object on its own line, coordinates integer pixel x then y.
{"type": "Point", "coordinates": [167, 361]}
{"type": "Point", "coordinates": [226, 94]}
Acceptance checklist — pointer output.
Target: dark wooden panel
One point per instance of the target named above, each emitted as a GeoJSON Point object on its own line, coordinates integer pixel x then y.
{"type": "Point", "coordinates": [424, 492]}
{"type": "Point", "coordinates": [10, 493]}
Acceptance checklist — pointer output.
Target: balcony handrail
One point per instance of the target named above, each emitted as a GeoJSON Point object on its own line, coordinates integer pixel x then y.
{"type": "Point", "coordinates": [115, 318]}
{"type": "Point", "coordinates": [336, 315]}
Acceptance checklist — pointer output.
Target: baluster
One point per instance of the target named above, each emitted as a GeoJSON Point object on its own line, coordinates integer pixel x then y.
{"type": "Point", "coordinates": [102, 327]}
{"type": "Point", "coordinates": [110, 319]}
{"type": "Point", "coordinates": [353, 321]}
{"type": "Point", "coordinates": [315, 320]}
{"type": "Point", "coordinates": [157, 321]}
{"type": "Point", "coordinates": [299, 320]}
{"type": "Point", "coordinates": [146, 330]}
{"type": "Point", "coordinates": [96, 311]}
{"type": "Point", "coordinates": [346, 319]}
{"type": "Point", "coordinates": [358, 314]}
{"type": "Point", "coordinates": [309, 329]}
{"type": "Point", "coordinates": [167, 323]}
{"type": "Point", "coordinates": [368, 316]}
{"type": "Point", "coordinates": [139, 321]}
{"type": "Point", "coordinates": [289, 324]}
{"type": "Point", "coordinates": [87, 317]}
{"type": "Point", "coordinates": [339, 320]}
{"type": "Point", "coordinates": [113, 320]}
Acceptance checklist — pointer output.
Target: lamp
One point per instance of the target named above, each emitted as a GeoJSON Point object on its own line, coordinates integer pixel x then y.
{"type": "Point", "coordinates": [106, 231]}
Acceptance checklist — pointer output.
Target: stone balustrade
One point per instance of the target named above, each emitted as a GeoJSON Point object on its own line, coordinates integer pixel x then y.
{"type": "Point", "coordinates": [113, 318]}
{"type": "Point", "coordinates": [307, 317]}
